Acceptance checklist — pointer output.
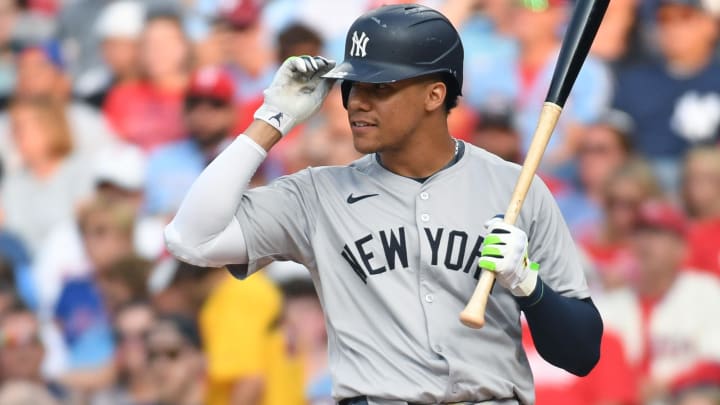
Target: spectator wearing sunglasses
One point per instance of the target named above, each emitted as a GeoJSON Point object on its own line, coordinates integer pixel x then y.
{"type": "Point", "coordinates": [209, 115]}
{"type": "Point", "coordinates": [175, 361]}
{"type": "Point", "coordinates": [131, 328]}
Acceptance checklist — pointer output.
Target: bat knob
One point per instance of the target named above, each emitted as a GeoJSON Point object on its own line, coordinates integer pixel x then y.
{"type": "Point", "coordinates": [472, 320]}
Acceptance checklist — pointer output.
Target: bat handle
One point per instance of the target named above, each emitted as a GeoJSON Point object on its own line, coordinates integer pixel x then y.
{"type": "Point", "coordinates": [473, 315]}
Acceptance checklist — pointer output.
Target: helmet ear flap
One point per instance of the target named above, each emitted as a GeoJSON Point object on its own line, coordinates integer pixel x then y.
{"type": "Point", "coordinates": [345, 87]}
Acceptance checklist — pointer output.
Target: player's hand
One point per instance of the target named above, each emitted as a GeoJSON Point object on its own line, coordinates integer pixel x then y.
{"type": "Point", "coordinates": [504, 252]}
{"type": "Point", "coordinates": [296, 92]}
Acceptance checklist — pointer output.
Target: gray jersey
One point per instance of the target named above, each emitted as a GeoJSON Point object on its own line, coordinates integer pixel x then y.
{"type": "Point", "coordinates": [394, 263]}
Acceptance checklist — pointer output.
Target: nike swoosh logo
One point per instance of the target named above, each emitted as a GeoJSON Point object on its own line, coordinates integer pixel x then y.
{"type": "Point", "coordinates": [352, 199]}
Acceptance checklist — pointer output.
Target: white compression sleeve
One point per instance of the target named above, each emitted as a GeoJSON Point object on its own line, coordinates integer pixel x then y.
{"type": "Point", "coordinates": [205, 231]}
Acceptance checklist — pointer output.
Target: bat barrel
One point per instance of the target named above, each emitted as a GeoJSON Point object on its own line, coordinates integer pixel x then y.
{"type": "Point", "coordinates": [579, 36]}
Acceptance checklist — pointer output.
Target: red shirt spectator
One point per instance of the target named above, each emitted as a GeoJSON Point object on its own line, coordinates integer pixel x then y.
{"type": "Point", "coordinates": [612, 381]}
{"type": "Point", "coordinates": [145, 115]}
{"type": "Point", "coordinates": [704, 242]}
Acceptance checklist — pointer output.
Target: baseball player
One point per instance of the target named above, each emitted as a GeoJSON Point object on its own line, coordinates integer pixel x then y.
{"type": "Point", "coordinates": [396, 240]}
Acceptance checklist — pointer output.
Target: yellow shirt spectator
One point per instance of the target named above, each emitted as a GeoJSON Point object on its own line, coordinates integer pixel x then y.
{"type": "Point", "coordinates": [240, 325]}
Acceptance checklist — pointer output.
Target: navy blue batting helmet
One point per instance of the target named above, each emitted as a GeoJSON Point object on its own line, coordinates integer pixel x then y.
{"type": "Point", "coordinates": [399, 42]}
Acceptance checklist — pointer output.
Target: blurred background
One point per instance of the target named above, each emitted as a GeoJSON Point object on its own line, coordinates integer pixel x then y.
{"type": "Point", "coordinates": [110, 109]}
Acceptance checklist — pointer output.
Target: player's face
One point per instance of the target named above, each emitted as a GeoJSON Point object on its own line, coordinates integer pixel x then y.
{"type": "Point", "coordinates": [382, 116]}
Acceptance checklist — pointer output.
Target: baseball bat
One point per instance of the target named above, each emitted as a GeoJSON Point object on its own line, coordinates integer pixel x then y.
{"type": "Point", "coordinates": [580, 33]}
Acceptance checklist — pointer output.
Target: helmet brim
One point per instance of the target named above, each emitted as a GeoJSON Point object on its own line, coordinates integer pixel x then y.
{"type": "Point", "coordinates": [366, 71]}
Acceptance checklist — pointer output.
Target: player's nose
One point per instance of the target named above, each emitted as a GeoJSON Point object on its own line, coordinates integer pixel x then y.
{"type": "Point", "coordinates": [358, 99]}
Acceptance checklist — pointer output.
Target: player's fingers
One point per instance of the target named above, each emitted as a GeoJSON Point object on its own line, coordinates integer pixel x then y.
{"type": "Point", "coordinates": [488, 263]}
{"type": "Point", "coordinates": [298, 65]}
{"type": "Point", "coordinates": [494, 220]}
{"type": "Point", "coordinates": [313, 63]}
{"type": "Point", "coordinates": [496, 251]}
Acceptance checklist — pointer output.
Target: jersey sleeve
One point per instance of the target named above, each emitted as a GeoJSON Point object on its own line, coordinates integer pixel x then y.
{"type": "Point", "coordinates": [276, 221]}
{"type": "Point", "coordinates": [551, 245]}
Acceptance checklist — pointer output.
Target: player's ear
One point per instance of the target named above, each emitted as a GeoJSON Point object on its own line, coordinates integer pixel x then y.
{"type": "Point", "coordinates": [435, 99]}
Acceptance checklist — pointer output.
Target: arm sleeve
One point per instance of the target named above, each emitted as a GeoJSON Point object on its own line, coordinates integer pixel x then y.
{"type": "Point", "coordinates": [566, 331]}
{"type": "Point", "coordinates": [205, 231]}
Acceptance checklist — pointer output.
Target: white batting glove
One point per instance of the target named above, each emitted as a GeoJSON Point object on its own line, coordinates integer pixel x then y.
{"type": "Point", "coordinates": [504, 252]}
{"type": "Point", "coordinates": [296, 92]}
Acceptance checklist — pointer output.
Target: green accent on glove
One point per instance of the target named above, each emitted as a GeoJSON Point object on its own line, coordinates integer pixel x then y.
{"type": "Point", "coordinates": [491, 251]}
{"type": "Point", "coordinates": [492, 240]}
{"type": "Point", "coordinates": [534, 266]}
{"type": "Point", "coordinates": [487, 265]}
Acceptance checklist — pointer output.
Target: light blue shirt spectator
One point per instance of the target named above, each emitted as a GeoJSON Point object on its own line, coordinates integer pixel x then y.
{"type": "Point", "coordinates": [171, 171]}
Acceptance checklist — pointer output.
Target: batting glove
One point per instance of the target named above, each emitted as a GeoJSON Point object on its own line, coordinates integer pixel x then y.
{"type": "Point", "coordinates": [296, 92]}
{"type": "Point", "coordinates": [504, 252]}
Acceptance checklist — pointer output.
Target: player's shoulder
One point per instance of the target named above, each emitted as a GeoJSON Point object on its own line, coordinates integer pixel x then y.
{"type": "Point", "coordinates": [361, 166]}
{"type": "Point", "coordinates": [697, 284]}
{"type": "Point", "coordinates": [493, 166]}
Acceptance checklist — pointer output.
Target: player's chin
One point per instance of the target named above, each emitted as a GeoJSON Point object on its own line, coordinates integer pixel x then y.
{"type": "Point", "coordinates": [365, 142]}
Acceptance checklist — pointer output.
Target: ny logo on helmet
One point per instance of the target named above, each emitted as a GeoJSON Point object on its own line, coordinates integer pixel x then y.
{"type": "Point", "coordinates": [358, 44]}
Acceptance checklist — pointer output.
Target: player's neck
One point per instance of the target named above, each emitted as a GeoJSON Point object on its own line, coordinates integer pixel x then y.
{"type": "Point", "coordinates": [421, 156]}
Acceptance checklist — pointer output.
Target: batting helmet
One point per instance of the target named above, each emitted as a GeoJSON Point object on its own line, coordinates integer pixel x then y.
{"type": "Point", "coordinates": [399, 42]}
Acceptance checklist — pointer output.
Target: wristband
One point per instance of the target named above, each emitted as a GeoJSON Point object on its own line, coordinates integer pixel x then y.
{"type": "Point", "coordinates": [276, 118]}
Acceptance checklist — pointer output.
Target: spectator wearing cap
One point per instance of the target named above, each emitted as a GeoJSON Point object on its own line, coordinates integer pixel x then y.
{"type": "Point", "coordinates": [118, 28]}
{"type": "Point", "coordinates": [41, 75]}
{"type": "Point", "coordinates": [149, 113]}
{"type": "Point", "coordinates": [675, 103]}
{"type": "Point", "coordinates": [250, 56]}
{"type": "Point", "coordinates": [209, 115]}
{"type": "Point", "coordinates": [176, 363]}
{"type": "Point", "coordinates": [667, 318]}
{"type": "Point", "coordinates": [53, 178]}
{"type": "Point", "coordinates": [524, 78]}
{"type": "Point", "coordinates": [701, 195]}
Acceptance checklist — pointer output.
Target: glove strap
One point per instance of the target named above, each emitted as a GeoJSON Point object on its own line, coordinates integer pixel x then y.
{"type": "Point", "coordinates": [276, 118]}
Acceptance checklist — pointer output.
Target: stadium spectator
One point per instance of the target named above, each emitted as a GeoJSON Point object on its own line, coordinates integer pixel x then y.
{"type": "Point", "coordinates": [209, 115]}
{"type": "Point", "coordinates": [701, 194]}
{"type": "Point", "coordinates": [304, 323]}
{"type": "Point", "coordinates": [41, 75]}
{"type": "Point", "coordinates": [131, 328]}
{"type": "Point", "coordinates": [149, 113]}
{"type": "Point", "coordinates": [249, 54]}
{"type": "Point", "coordinates": [51, 172]}
{"type": "Point", "coordinates": [664, 319]}
{"type": "Point", "coordinates": [176, 363]}
{"type": "Point", "coordinates": [118, 175]}
{"type": "Point", "coordinates": [603, 147]}
{"type": "Point", "coordinates": [22, 352]}
{"type": "Point", "coordinates": [496, 133]}
{"type": "Point", "coordinates": [123, 281]}
{"type": "Point", "coordinates": [525, 76]}
{"type": "Point", "coordinates": [684, 108]}
{"type": "Point", "coordinates": [81, 312]}
{"type": "Point", "coordinates": [118, 28]}
{"type": "Point", "coordinates": [247, 357]}
{"type": "Point", "coordinates": [608, 245]}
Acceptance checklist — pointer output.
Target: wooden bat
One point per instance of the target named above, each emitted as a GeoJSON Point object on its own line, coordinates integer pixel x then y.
{"type": "Point", "coordinates": [581, 31]}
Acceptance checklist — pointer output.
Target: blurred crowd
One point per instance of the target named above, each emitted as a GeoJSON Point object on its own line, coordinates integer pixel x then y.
{"type": "Point", "coordinates": [110, 109]}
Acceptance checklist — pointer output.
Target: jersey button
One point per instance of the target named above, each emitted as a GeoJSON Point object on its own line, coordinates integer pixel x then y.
{"type": "Point", "coordinates": [424, 196]}
{"type": "Point", "coordinates": [425, 217]}
{"type": "Point", "coordinates": [429, 298]}
{"type": "Point", "coordinates": [438, 348]}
